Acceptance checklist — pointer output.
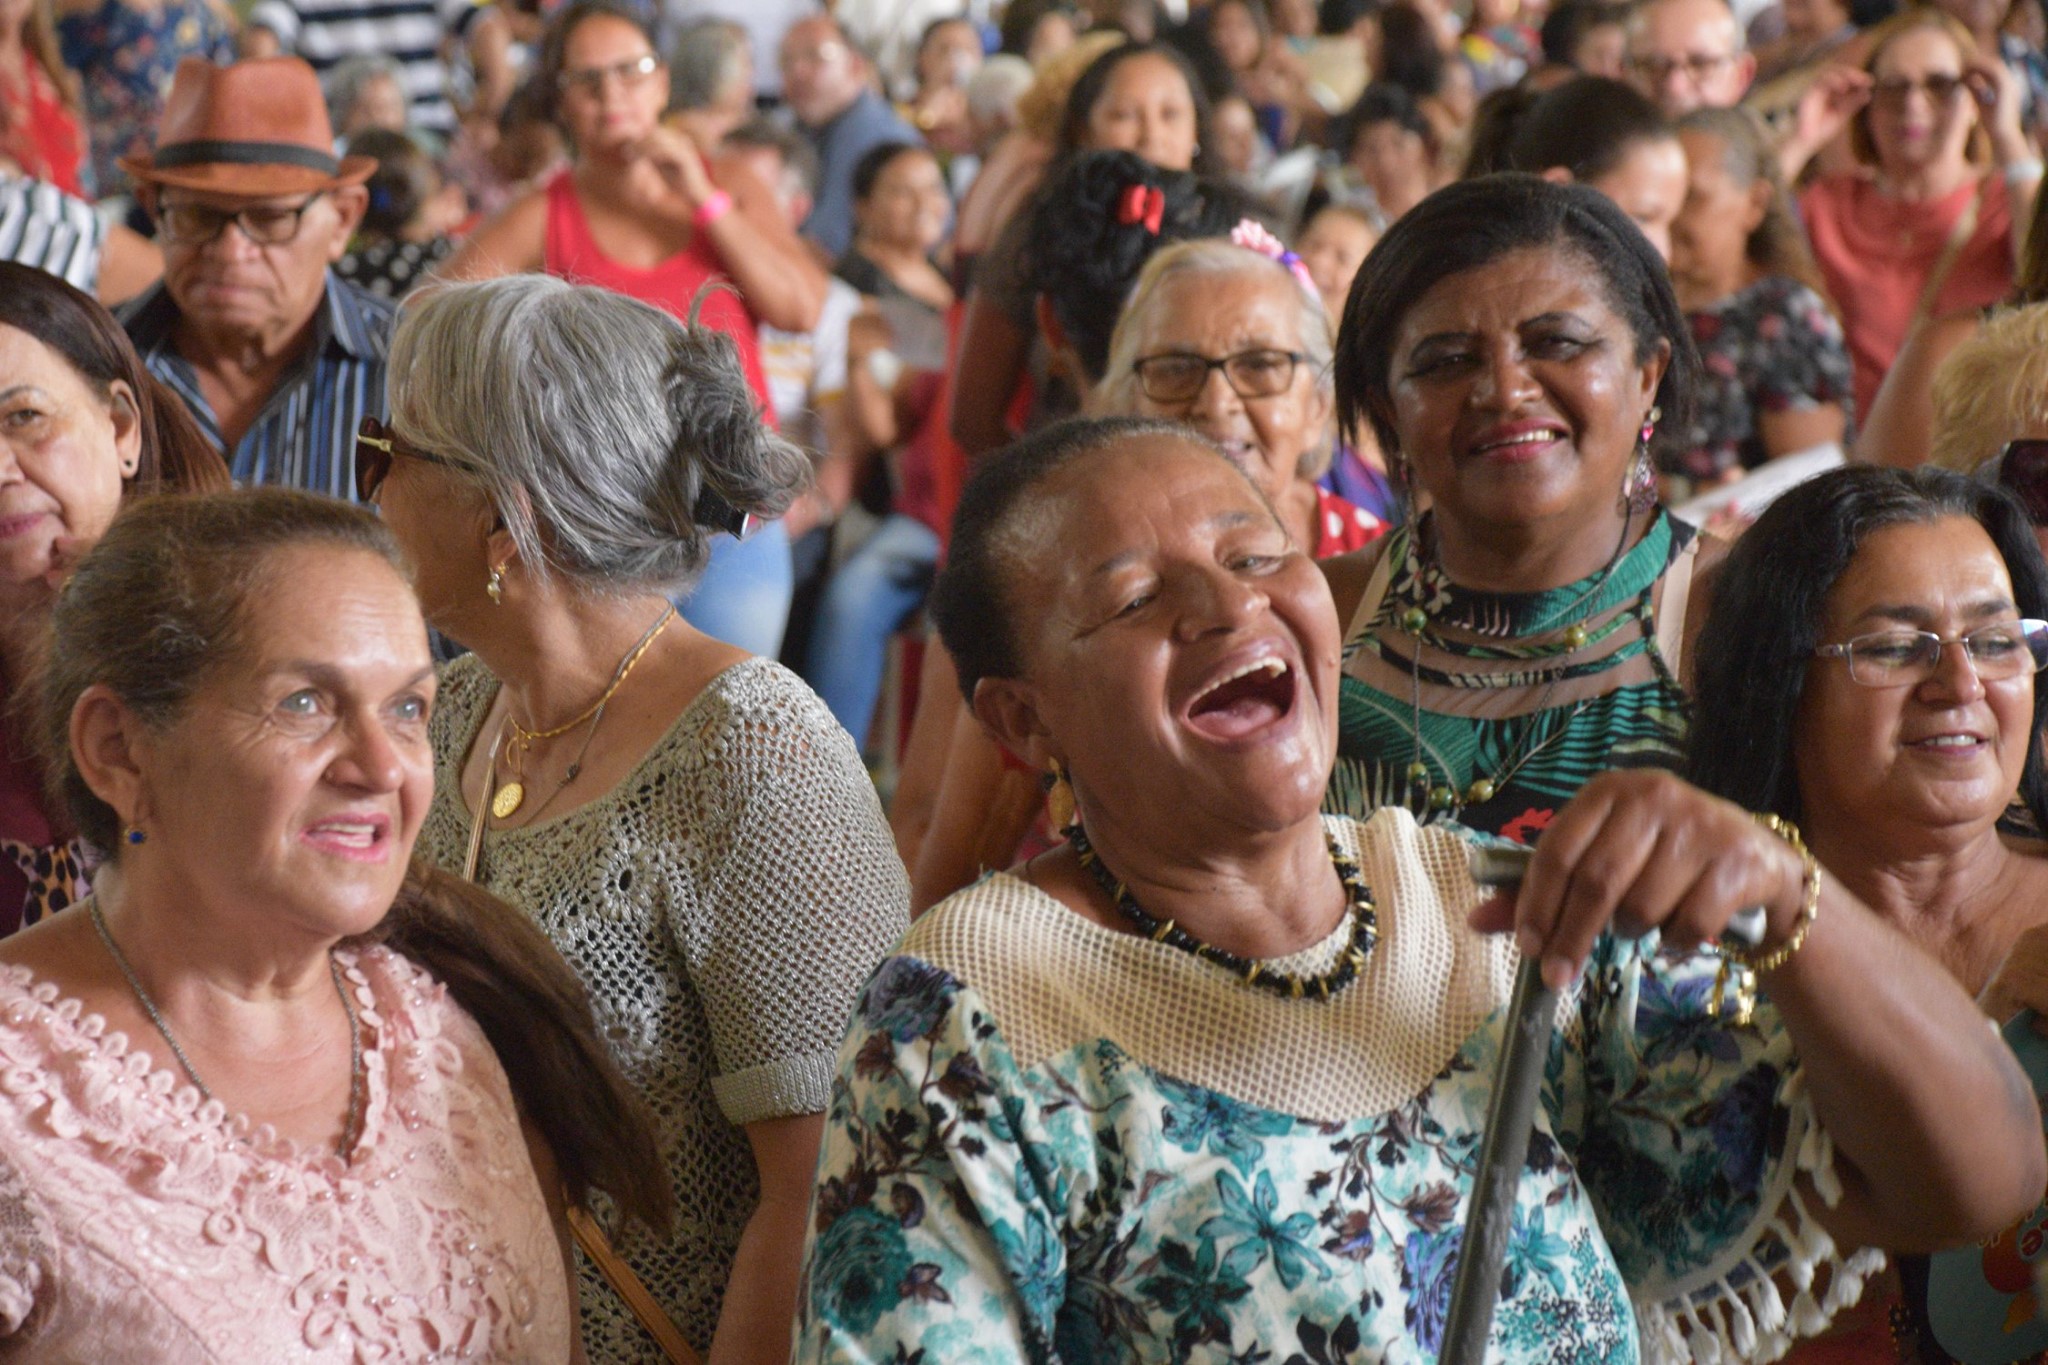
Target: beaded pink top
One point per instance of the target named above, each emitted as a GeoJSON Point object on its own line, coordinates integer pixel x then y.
{"type": "Point", "coordinates": [137, 1222]}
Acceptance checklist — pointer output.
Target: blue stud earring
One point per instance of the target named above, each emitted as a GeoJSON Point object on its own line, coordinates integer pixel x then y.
{"type": "Point", "coordinates": [134, 835]}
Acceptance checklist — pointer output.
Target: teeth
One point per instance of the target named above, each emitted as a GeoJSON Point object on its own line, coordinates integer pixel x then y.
{"type": "Point", "coordinates": [1269, 666]}
{"type": "Point", "coordinates": [1950, 741]}
{"type": "Point", "coordinates": [1531, 439]}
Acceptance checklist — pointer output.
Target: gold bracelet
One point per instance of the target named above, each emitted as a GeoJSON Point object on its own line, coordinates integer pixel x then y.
{"type": "Point", "coordinates": [1740, 964]}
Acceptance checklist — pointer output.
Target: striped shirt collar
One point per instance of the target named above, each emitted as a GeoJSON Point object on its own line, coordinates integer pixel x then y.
{"type": "Point", "coordinates": [304, 436]}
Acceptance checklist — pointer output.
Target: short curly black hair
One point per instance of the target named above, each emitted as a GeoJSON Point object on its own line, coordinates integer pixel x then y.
{"type": "Point", "coordinates": [1470, 225]}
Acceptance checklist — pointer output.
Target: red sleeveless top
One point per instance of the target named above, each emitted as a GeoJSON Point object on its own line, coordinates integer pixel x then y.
{"type": "Point", "coordinates": [572, 254]}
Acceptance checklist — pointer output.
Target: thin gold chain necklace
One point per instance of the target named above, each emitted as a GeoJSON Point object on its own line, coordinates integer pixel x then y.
{"type": "Point", "coordinates": [505, 802]}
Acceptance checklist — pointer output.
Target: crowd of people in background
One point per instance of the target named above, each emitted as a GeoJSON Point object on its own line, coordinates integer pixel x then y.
{"type": "Point", "coordinates": [553, 551]}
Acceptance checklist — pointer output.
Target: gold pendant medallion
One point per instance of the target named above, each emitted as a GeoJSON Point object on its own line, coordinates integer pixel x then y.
{"type": "Point", "coordinates": [507, 800]}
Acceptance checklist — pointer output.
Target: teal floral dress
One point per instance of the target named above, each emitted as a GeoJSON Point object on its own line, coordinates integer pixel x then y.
{"type": "Point", "coordinates": [1051, 1141]}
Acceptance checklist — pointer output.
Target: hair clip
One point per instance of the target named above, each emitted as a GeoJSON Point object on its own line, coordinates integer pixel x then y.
{"type": "Point", "coordinates": [1143, 204]}
{"type": "Point", "coordinates": [1253, 236]}
{"type": "Point", "coordinates": [714, 513]}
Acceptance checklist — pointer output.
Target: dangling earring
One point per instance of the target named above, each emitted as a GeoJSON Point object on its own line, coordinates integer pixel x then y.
{"type": "Point", "coordinates": [134, 834]}
{"type": "Point", "coordinates": [1639, 487]}
{"type": "Point", "coordinates": [496, 586]}
{"type": "Point", "coordinates": [1059, 797]}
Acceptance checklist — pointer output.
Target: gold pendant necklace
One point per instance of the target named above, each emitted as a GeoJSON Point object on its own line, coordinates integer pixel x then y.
{"type": "Point", "coordinates": [511, 794]}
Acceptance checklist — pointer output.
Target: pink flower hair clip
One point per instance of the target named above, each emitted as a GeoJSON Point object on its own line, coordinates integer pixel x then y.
{"type": "Point", "coordinates": [1253, 236]}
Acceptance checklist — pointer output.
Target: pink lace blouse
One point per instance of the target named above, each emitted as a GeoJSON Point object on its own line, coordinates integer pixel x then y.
{"type": "Point", "coordinates": [137, 1223]}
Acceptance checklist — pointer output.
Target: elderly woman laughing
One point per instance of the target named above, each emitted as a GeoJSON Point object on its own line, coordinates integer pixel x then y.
{"type": "Point", "coordinates": [1208, 1079]}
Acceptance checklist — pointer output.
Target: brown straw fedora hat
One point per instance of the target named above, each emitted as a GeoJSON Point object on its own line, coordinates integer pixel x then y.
{"type": "Point", "coordinates": [255, 128]}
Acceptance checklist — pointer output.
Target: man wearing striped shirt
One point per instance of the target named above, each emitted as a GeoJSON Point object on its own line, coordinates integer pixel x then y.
{"type": "Point", "coordinates": [279, 359]}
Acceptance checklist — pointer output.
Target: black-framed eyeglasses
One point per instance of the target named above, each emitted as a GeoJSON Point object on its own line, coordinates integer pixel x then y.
{"type": "Point", "coordinates": [589, 80]}
{"type": "Point", "coordinates": [1940, 90]}
{"type": "Point", "coordinates": [263, 224]}
{"type": "Point", "coordinates": [1178, 376]}
{"type": "Point", "coordinates": [377, 445]}
{"type": "Point", "coordinates": [2023, 472]}
{"type": "Point", "coordinates": [1907, 658]}
{"type": "Point", "coordinates": [1697, 66]}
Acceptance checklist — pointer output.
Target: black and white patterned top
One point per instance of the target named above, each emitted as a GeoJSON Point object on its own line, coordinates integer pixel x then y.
{"type": "Point", "coordinates": [43, 227]}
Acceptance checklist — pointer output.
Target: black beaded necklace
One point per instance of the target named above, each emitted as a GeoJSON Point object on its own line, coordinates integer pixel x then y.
{"type": "Point", "coordinates": [1365, 928]}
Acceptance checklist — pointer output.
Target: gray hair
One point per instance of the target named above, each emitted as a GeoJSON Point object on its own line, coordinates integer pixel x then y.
{"type": "Point", "coordinates": [1213, 256]}
{"type": "Point", "coordinates": [704, 62]}
{"type": "Point", "coordinates": [593, 422]}
{"type": "Point", "coordinates": [345, 84]}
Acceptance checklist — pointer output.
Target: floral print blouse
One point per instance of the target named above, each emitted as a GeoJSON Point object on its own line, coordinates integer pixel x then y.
{"type": "Point", "coordinates": [998, 1187]}
{"type": "Point", "coordinates": [1772, 347]}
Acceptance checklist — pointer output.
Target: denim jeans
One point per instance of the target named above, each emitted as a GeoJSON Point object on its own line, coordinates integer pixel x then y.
{"type": "Point", "coordinates": [867, 600]}
{"type": "Point", "coordinates": [743, 597]}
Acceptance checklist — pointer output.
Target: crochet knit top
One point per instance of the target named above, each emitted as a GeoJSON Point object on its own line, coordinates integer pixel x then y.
{"type": "Point", "coordinates": [723, 904]}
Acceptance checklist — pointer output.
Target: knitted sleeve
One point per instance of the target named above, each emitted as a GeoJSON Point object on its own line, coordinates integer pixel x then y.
{"type": "Point", "coordinates": [804, 897]}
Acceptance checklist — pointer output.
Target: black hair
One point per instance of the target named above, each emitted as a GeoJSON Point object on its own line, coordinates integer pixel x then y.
{"type": "Point", "coordinates": [1473, 223]}
{"type": "Point", "coordinates": [1565, 27]}
{"type": "Point", "coordinates": [1022, 18]}
{"type": "Point", "coordinates": [925, 35]}
{"type": "Point", "coordinates": [1751, 657]}
{"type": "Point", "coordinates": [1084, 258]}
{"type": "Point", "coordinates": [1410, 54]}
{"type": "Point", "coordinates": [405, 178]}
{"type": "Point", "coordinates": [1335, 18]}
{"type": "Point", "coordinates": [1489, 149]}
{"type": "Point", "coordinates": [868, 170]}
{"type": "Point", "coordinates": [970, 602]}
{"type": "Point", "coordinates": [1191, 40]}
{"type": "Point", "coordinates": [1380, 102]}
{"type": "Point", "coordinates": [1587, 125]}
{"type": "Point", "coordinates": [1087, 91]}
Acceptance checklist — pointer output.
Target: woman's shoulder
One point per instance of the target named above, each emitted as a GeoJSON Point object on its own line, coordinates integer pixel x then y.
{"type": "Point", "coordinates": [757, 720]}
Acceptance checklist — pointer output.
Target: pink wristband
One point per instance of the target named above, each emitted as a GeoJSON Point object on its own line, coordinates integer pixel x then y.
{"type": "Point", "coordinates": [715, 206]}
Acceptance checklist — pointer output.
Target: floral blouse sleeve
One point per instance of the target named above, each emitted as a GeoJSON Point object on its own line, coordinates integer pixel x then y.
{"type": "Point", "coordinates": [1800, 360]}
{"type": "Point", "coordinates": [1689, 1131]}
{"type": "Point", "coordinates": [911, 1201]}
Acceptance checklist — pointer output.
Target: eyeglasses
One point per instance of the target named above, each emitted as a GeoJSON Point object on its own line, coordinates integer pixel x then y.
{"type": "Point", "coordinates": [590, 79]}
{"type": "Point", "coordinates": [1940, 90]}
{"type": "Point", "coordinates": [263, 224]}
{"type": "Point", "coordinates": [377, 445]}
{"type": "Point", "coordinates": [1697, 66]}
{"type": "Point", "coordinates": [1907, 658]}
{"type": "Point", "coordinates": [1177, 376]}
{"type": "Point", "coordinates": [2023, 471]}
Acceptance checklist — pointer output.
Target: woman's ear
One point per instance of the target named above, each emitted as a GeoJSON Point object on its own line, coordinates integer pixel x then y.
{"type": "Point", "coordinates": [108, 746]}
{"type": "Point", "coordinates": [126, 411]}
{"type": "Point", "coordinates": [1008, 711]}
{"type": "Point", "coordinates": [1558, 175]}
{"type": "Point", "coordinates": [1759, 205]}
{"type": "Point", "coordinates": [1653, 369]}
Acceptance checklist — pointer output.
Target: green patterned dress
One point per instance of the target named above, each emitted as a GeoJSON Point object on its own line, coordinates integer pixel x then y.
{"type": "Point", "coordinates": [1516, 699]}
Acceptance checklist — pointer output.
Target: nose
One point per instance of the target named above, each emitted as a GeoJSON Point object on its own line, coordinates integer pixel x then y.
{"type": "Point", "coordinates": [233, 242]}
{"type": "Point", "coordinates": [1215, 598]}
{"type": "Point", "coordinates": [369, 760]}
{"type": "Point", "coordinates": [1504, 382]}
{"type": "Point", "coordinates": [1955, 676]}
{"type": "Point", "coordinates": [1215, 400]}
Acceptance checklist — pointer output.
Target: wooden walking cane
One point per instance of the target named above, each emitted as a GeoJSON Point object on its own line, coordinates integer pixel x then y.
{"type": "Point", "coordinates": [1510, 1117]}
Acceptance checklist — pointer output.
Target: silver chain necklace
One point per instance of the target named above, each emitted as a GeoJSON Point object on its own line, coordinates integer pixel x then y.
{"type": "Point", "coordinates": [350, 1129]}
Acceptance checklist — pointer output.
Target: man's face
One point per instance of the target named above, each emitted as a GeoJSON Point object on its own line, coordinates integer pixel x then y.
{"type": "Point", "coordinates": [253, 265]}
{"type": "Point", "coordinates": [821, 73]}
{"type": "Point", "coordinates": [1687, 55]}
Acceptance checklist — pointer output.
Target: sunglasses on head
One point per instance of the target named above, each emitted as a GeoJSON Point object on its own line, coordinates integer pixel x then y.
{"type": "Point", "coordinates": [377, 445]}
{"type": "Point", "coordinates": [2023, 472]}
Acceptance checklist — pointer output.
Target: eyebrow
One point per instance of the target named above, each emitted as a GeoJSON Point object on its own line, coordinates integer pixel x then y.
{"type": "Point", "coordinates": [6, 394]}
{"type": "Point", "coordinates": [1555, 315]}
{"type": "Point", "coordinates": [1921, 616]}
{"type": "Point", "coordinates": [1222, 521]}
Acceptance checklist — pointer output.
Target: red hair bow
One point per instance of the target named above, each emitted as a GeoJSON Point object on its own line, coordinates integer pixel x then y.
{"type": "Point", "coordinates": [1143, 204]}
